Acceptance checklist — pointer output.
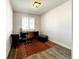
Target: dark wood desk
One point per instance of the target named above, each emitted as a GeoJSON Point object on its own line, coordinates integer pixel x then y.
{"type": "Point", "coordinates": [29, 33]}
{"type": "Point", "coordinates": [16, 38]}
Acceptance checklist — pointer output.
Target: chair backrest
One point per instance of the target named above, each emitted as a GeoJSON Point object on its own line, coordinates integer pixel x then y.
{"type": "Point", "coordinates": [23, 35]}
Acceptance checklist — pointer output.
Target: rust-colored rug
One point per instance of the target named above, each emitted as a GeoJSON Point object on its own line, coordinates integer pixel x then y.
{"type": "Point", "coordinates": [24, 50]}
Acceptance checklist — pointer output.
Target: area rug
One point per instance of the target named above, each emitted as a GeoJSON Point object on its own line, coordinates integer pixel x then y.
{"type": "Point", "coordinates": [26, 50]}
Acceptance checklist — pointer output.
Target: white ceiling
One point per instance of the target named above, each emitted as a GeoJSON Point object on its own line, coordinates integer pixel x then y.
{"type": "Point", "coordinates": [27, 6]}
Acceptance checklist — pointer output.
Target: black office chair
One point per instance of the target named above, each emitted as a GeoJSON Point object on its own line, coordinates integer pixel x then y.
{"type": "Point", "coordinates": [24, 38]}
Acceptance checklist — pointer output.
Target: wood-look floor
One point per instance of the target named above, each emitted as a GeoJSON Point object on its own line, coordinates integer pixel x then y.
{"type": "Point", "coordinates": [25, 50]}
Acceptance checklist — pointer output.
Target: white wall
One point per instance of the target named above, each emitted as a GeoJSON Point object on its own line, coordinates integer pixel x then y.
{"type": "Point", "coordinates": [17, 21]}
{"type": "Point", "coordinates": [57, 24]}
{"type": "Point", "coordinates": [2, 29]}
{"type": "Point", "coordinates": [8, 26]}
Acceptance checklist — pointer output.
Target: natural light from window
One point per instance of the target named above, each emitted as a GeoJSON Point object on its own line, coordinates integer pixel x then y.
{"type": "Point", "coordinates": [28, 23]}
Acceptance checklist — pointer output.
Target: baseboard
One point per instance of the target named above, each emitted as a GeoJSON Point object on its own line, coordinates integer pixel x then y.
{"type": "Point", "coordinates": [8, 53]}
{"type": "Point", "coordinates": [61, 44]}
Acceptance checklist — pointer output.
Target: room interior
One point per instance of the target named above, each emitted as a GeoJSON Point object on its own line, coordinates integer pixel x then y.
{"type": "Point", "coordinates": [48, 22]}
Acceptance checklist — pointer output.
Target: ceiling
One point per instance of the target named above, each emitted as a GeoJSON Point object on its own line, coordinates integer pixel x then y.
{"type": "Point", "coordinates": [26, 6]}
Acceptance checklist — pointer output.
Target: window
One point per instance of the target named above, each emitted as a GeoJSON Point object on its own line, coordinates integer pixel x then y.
{"type": "Point", "coordinates": [28, 23]}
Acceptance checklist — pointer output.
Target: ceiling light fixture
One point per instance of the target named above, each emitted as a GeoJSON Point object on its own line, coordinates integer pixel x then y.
{"type": "Point", "coordinates": [37, 4]}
